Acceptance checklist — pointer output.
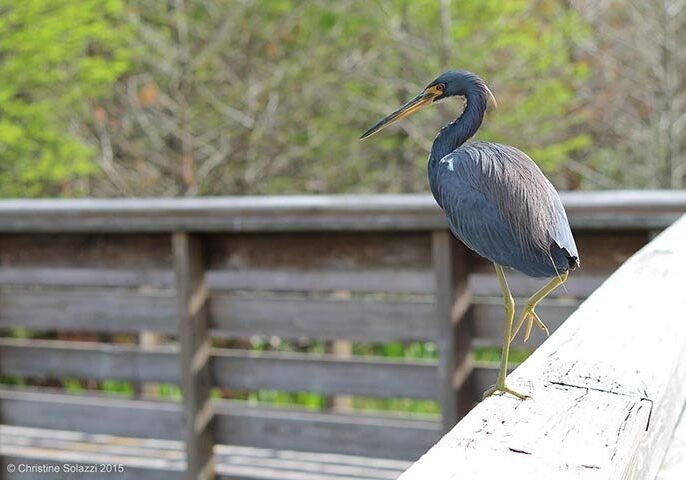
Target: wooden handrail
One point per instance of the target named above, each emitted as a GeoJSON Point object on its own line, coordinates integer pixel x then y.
{"type": "Point", "coordinates": [607, 388]}
{"type": "Point", "coordinates": [590, 210]}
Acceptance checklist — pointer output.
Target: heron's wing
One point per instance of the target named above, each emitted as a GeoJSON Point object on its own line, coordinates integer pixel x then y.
{"type": "Point", "coordinates": [500, 205]}
{"type": "Point", "coordinates": [476, 221]}
{"type": "Point", "coordinates": [562, 235]}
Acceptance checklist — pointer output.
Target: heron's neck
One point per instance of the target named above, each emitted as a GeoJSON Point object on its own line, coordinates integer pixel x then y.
{"type": "Point", "coordinates": [459, 131]}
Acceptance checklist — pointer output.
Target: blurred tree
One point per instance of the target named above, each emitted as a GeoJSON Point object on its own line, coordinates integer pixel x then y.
{"type": "Point", "coordinates": [638, 91]}
{"type": "Point", "coordinates": [235, 97]}
{"type": "Point", "coordinates": [56, 58]}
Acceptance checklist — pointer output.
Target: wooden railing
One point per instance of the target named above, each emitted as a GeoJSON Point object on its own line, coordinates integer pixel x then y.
{"type": "Point", "coordinates": [201, 272]}
{"type": "Point", "coordinates": [607, 388]}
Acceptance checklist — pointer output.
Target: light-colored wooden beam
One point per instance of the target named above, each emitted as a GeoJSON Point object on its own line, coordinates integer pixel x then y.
{"type": "Point", "coordinates": [607, 387]}
{"type": "Point", "coordinates": [408, 212]}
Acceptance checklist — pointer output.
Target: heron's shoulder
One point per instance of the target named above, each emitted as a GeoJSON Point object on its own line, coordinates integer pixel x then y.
{"type": "Point", "coordinates": [494, 152]}
{"type": "Point", "coordinates": [493, 160]}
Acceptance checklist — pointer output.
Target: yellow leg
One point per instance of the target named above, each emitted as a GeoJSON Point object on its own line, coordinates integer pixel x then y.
{"type": "Point", "coordinates": [509, 318]}
{"type": "Point", "coordinates": [528, 314]}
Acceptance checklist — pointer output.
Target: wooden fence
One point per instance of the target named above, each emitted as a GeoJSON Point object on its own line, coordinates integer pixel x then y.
{"type": "Point", "coordinates": [208, 274]}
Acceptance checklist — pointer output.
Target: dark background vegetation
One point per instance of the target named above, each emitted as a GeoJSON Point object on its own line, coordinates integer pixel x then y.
{"type": "Point", "coordinates": [215, 97]}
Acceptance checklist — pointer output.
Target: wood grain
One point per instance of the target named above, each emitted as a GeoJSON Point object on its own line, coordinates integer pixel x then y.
{"type": "Point", "coordinates": [607, 387]}
{"type": "Point", "coordinates": [674, 465]}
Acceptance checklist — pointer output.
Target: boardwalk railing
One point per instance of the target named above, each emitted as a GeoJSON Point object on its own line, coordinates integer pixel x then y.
{"type": "Point", "coordinates": [207, 275]}
{"type": "Point", "coordinates": [607, 388]}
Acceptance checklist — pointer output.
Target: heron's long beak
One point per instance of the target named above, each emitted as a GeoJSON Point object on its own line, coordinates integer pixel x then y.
{"type": "Point", "coordinates": [413, 106]}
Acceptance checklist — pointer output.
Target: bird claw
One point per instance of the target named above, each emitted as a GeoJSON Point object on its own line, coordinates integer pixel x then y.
{"type": "Point", "coordinates": [529, 316]}
{"type": "Point", "coordinates": [502, 389]}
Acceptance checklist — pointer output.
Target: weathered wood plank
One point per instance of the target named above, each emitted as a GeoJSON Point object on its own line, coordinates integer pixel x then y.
{"type": "Point", "coordinates": [579, 285]}
{"type": "Point", "coordinates": [360, 280]}
{"type": "Point", "coordinates": [281, 279]}
{"type": "Point", "coordinates": [325, 374]}
{"type": "Point", "coordinates": [341, 251]}
{"type": "Point", "coordinates": [88, 277]}
{"type": "Point", "coordinates": [238, 369]}
{"type": "Point", "coordinates": [91, 414]}
{"type": "Point", "coordinates": [356, 434]}
{"type": "Point", "coordinates": [602, 252]}
{"type": "Point", "coordinates": [674, 464]}
{"type": "Point", "coordinates": [599, 410]}
{"type": "Point", "coordinates": [593, 210]}
{"type": "Point", "coordinates": [82, 360]}
{"type": "Point", "coordinates": [232, 315]}
{"type": "Point", "coordinates": [192, 294]}
{"type": "Point", "coordinates": [102, 310]}
{"type": "Point", "coordinates": [134, 251]}
{"type": "Point", "coordinates": [365, 319]}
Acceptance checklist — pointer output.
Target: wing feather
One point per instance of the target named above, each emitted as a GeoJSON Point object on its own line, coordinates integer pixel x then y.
{"type": "Point", "coordinates": [500, 204]}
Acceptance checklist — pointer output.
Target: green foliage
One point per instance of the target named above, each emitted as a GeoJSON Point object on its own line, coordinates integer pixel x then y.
{"type": "Point", "coordinates": [350, 65]}
{"type": "Point", "coordinates": [270, 96]}
{"type": "Point", "coordinates": [57, 57]}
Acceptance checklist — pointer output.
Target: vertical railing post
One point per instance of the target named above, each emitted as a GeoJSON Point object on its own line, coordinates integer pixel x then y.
{"type": "Point", "coordinates": [452, 302]}
{"type": "Point", "coordinates": [192, 295]}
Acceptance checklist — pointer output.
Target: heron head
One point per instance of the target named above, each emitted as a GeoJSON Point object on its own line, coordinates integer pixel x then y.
{"type": "Point", "coordinates": [448, 84]}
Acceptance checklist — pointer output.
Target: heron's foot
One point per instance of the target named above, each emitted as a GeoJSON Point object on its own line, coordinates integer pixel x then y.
{"type": "Point", "coordinates": [502, 389]}
{"type": "Point", "coordinates": [529, 316]}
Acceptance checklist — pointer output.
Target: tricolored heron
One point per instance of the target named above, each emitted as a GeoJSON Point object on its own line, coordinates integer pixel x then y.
{"type": "Point", "coordinates": [497, 200]}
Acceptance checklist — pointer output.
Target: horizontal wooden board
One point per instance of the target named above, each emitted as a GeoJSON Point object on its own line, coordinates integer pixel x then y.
{"type": "Point", "coordinates": [278, 279]}
{"type": "Point", "coordinates": [145, 279]}
{"type": "Point", "coordinates": [364, 280]}
{"type": "Point", "coordinates": [91, 414]}
{"type": "Point", "coordinates": [238, 369]}
{"type": "Point", "coordinates": [294, 317]}
{"type": "Point", "coordinates": [579, 285]}
{"type": "Point", "coordinates": [601, 252]}
{"type": "Point", "coordinates": [325, 374]}
{"type": "Point", "coordinates": [594, 210]}
{"type": "Point", "coordinates": [355, 434]}
{"type": "Point", "coordinates": [320, 250]}
{"type": "Point", "coordinates": [488, 316]}
{"type": "Point", "coordinates": [99, 310]}
{"type": "Point", "coordinates": [235, 424]}
{"type": "Point", "coordinates": [86, 360]}
{"type": "Point", "coordinates": [131, 251]}
{"type": "Point", "coordinates": [287, 316]}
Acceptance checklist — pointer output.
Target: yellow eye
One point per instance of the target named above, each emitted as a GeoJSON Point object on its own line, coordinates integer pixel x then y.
{"type": "Point", "coordinates": [436, 90]}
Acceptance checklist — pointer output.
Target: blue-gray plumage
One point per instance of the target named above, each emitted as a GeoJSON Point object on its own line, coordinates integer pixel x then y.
{"type": "Point", "coordinates": [486, 190]}
{"type": "Point", "coordinates": [496, 199]}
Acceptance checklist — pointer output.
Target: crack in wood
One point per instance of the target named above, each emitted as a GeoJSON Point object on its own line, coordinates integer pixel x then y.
{"type": "Point", "coordinates": [621, 394]}
{"type": "Point", "coordinates": [518, 451]}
